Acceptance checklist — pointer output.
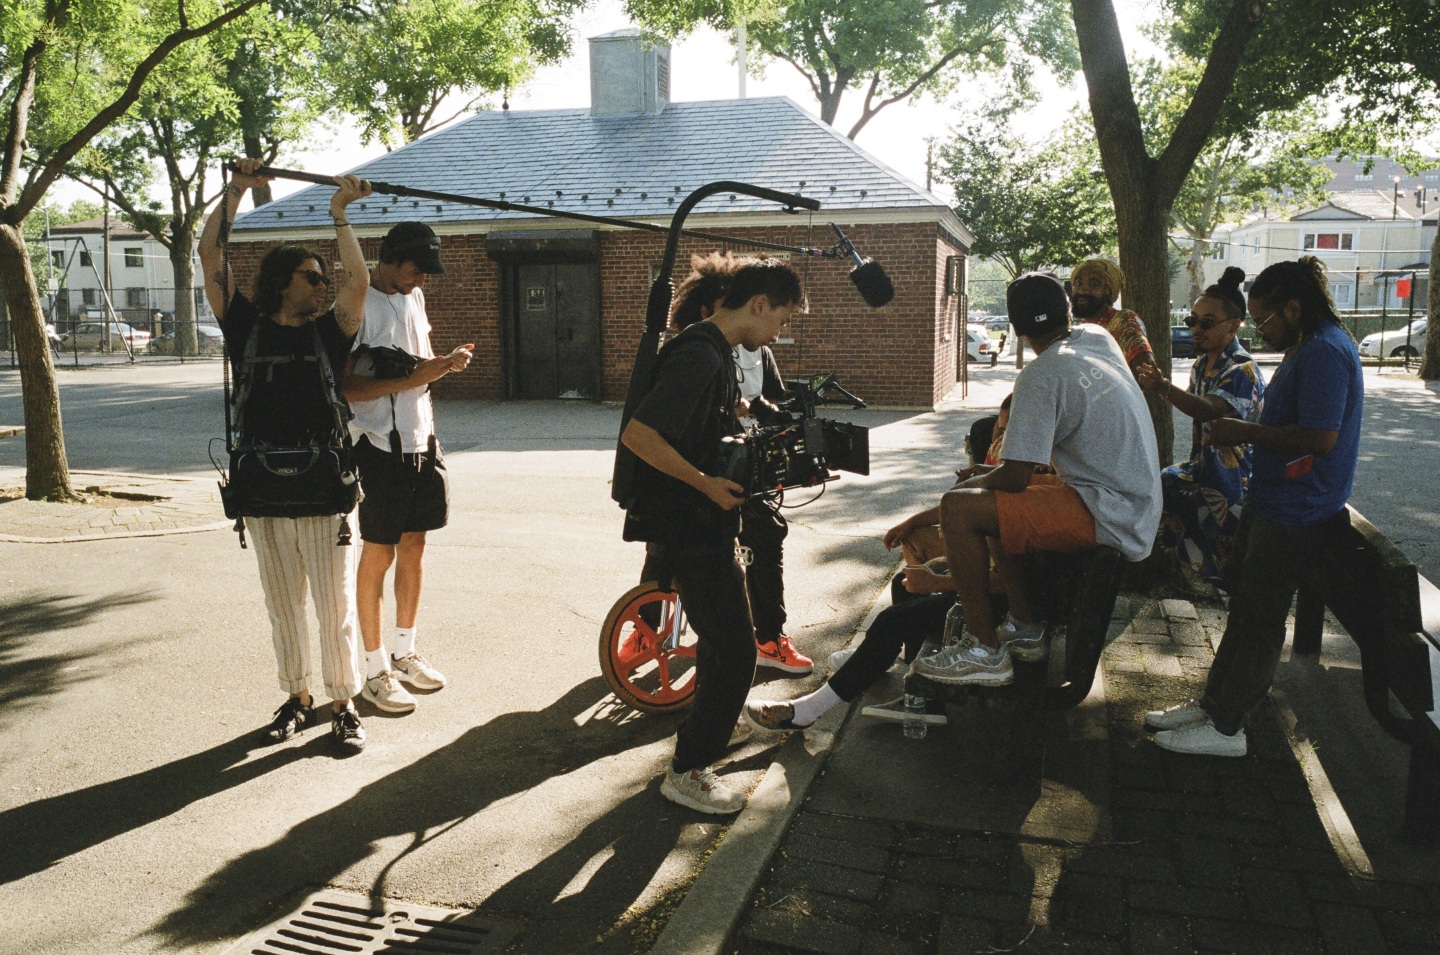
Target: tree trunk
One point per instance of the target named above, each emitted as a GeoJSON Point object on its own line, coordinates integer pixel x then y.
{"type": "Point", "coordinates": [1195, 267]}
{"type": "Point", "coordinates": [1142, 223]}
{"type": "Point", "coordinates": [182, 264]}
{"type": "Point", "coordinates": [1430, 364]}
{"type": "Point", "coordinates": [47, 472]}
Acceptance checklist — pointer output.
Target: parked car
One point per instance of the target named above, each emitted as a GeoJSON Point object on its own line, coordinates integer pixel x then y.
{"type": "Point", "coordinates": [209, 339]}
{"type": "Point", "coordinates": [1182, 342]}
{"type": "Point", "coordinates": [998, 325]}
{"type": "Point", "coordinates": [92, 336]}
{"type": "Point", "coordinates": [1393, 344]}
{"type": "Point", "coordinates": [978, 343]}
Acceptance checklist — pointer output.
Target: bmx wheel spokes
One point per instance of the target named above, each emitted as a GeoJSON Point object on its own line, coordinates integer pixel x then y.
{"type": "Point", "coordinates": [647, 653]}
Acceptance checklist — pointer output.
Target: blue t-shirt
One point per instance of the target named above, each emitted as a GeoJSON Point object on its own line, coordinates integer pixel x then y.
{"type": "Point", "coordinates": [1320, 386]}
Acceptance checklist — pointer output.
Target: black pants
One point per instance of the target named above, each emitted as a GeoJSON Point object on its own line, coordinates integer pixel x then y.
{"type": "Point", "coordinates": [712, 588]}
{"type": "Point", "coordinates": [763, 530]}
{"type": "Point", "coordinates": [902, 627]}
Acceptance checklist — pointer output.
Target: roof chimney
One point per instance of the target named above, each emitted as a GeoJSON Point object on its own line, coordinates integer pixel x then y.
{"type": "Point", "coordinates": [628, 74]}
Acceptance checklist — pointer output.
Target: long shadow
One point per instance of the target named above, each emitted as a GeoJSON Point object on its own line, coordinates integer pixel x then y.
{"type": "Point", "coordinates": [512, 753]}
{"type": "Point", "coordinates": [39, 834]}
{"type": "Point", "coordinates": [25, 620]}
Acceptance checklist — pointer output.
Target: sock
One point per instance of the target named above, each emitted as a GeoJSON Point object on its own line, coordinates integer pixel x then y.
{"type": "Point", "coordinates": [404, 641]}
{"type": "Point", "coordinates": [812, 706]}
{"type": "Point", "coordinates": [377, 662]}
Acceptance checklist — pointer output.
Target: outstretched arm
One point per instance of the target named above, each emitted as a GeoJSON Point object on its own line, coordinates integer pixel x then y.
{"type": "Point", "coordinates": [212, 259]}
{"type": "Point", "coordinates": [355, 279]}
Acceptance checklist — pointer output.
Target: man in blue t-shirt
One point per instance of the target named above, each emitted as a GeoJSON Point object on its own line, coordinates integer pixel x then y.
{"type": "Point", "coordinates": [1306, 443]}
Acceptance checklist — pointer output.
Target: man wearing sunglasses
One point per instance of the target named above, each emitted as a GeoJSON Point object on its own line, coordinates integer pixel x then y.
{"type": "Point", "coordinates": [399, 457]}
{"type": "Point", "coordinates": [287, 405]}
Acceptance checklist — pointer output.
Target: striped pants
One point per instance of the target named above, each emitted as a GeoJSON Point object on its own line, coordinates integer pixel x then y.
{"type": "Point", "coordinates": [292, 550]}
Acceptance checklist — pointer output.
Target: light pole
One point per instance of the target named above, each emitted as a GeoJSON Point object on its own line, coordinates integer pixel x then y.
{"type": "Point", "coordinates": [1395, 209]}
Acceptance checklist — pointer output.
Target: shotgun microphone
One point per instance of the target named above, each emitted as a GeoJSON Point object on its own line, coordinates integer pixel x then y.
{"type": "Point", "coordinates": [870, 279]}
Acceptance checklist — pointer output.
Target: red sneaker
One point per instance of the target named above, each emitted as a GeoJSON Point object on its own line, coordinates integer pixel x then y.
{"type": "Point", "coordinates": [782, 655]}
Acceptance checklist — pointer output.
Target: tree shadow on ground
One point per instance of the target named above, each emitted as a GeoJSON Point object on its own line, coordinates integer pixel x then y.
{"type": "Point", "coordinates": [509, 755]}
{"type": "Point", "coordinates": [25, 620]}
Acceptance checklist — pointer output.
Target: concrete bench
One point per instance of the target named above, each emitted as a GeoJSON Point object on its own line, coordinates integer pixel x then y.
{"type": "Point", "coordinates": [1077, 591]}
{"type": "Point", "coordinates": [1393, 615]}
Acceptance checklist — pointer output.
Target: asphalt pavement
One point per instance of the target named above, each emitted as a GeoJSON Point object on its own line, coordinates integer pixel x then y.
{"type": "Point", "coordinates": [140, 815]}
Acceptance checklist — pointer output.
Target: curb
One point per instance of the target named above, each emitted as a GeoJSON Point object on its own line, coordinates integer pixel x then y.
{"type": "Point", "coordinates": [718, 897]}
{"type": "Point", "coordinates": [120, 479]}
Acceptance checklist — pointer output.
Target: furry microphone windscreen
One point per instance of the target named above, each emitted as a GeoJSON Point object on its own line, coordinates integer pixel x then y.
{"type": "Point", "coordinates": [874, 285]}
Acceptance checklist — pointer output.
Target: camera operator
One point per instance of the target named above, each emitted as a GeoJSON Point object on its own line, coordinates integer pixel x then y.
{"type": "Point", "coordinates": [690, 518]}
{"type": "Point", "coordinates": [762, 527]}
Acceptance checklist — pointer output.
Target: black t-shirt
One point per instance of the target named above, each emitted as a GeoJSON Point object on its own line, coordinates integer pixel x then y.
{"type": "Point", "coordinates": [287, 402]}
{"type": "Point", "coordinates": [692, 405]}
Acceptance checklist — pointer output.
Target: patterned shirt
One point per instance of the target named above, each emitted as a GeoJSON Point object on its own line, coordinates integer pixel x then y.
{"type": "Point", "coordinates": [1128, 331]}
{"type": "Point", "coordinates": [1235, 378]}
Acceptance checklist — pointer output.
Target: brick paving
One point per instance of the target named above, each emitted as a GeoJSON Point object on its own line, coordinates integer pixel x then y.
{"type": "Point", "coordinates": [1200, 855]}
{"type": "Point", "coordinates": [139, 506]}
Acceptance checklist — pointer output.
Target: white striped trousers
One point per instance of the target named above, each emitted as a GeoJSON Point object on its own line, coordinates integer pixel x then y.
{"type": "Point", "coordinates": [292, 550]}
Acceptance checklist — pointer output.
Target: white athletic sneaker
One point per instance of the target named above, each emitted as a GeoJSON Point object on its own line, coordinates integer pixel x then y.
{"type": "Point", "coordinates": [1176, 717]}
{"type": "Point", "coordinates": [416, 671]}
{"type": "Point", "coordinates": [1201, 739]}
{"type": "Point", "coordinates": [701, 790]}
{"type": "Point", "coordinates": [387, 694]}
{"type": "Point", "coordinates": [969, 663]}
{"type": "Point", "coordinates": [740, 734]}
{"type": "Point", "coordinates": [1025, 640]}
{"type": "Point", "coordinates": [838, 658]}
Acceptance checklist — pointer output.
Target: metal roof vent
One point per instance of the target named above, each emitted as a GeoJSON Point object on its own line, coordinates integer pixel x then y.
{"type": "Point", "coordinates": [629, 75]}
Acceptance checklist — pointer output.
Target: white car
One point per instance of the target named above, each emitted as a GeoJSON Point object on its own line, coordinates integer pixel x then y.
{"type": "Point", "coordinates": [93, 335]}
{"type": "Point", "coordinates": [978, 343]}
{"type": "Point", "coordinates": [1393, 344]}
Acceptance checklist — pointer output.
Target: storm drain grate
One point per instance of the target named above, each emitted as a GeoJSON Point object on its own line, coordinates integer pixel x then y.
{"type": "Point", "coordinates": [338, 923]}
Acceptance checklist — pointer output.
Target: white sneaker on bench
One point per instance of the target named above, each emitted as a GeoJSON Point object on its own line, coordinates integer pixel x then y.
{"type": "Point", "coordinates": [1201, 739]}
{"type": "Point", "coordinates": [1176, 717]}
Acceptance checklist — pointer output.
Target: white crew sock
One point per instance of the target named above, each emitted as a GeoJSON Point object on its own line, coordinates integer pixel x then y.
{"type": "Point", "coordinates": [812, 706]}
{"type": "Point", "coordinates": [377, 662]}
{"type": "Point", "coordinates": [404, 641]}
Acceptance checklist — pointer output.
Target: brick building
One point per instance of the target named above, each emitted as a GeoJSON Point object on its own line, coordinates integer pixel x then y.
{"type": "Point", "coordinates": [556, 306]}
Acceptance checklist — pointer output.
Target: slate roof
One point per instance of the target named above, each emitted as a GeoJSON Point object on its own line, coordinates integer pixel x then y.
{"type": "Point", "coordinates": [1357, 204]}
{"type": "Point", "coordinates": [635, 166]}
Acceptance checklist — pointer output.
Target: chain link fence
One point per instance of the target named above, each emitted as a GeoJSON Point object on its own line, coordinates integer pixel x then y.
{"type": "Point", "coordinates": [137, 324]}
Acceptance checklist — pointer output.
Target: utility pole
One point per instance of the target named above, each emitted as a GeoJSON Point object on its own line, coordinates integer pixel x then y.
{"type": "Point", "coordinates": [741, 42]}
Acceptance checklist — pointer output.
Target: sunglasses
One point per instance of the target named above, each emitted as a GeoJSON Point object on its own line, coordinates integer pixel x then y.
{"type": "Point", "coordinates": [316, 279]}
{"type": "Point", "coordinates": [1204, 324]}
{"type": "Point", "coordinates": [1260, 323]}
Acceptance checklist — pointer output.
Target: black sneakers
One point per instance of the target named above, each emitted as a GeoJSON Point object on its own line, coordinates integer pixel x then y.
{"type": "Point", "coordinates": [290, 719]}
{"type": "Point", "coordinates": [347, 732]}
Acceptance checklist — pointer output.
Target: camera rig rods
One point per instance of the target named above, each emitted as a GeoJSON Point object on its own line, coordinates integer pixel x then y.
{"type": "Point", "coordinates": [791, 203]}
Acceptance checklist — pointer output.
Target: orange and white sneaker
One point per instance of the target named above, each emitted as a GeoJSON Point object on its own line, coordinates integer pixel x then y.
{"type": "Point", "coordinates": [781, 654]}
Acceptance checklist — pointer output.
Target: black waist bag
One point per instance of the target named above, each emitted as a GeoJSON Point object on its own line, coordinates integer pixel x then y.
{"type": "Point", "coordinates": [276, 481]}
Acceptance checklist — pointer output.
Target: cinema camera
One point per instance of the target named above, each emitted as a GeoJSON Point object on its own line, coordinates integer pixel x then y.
{"type": "Point", "coordinates": [794, 448]}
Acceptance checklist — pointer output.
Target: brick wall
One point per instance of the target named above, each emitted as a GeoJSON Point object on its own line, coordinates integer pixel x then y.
{"type": "Point", "coordinates": [896, 356]}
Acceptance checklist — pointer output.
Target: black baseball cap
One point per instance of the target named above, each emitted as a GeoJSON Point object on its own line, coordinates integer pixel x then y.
{"type": "Point", "coordinates": [414, 242]}
{"type": "Point", "coordinates": [1037, 304]}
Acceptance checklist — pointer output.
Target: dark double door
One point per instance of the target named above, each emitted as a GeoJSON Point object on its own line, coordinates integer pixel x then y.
{"type": "Point", "coordinates": [557, 322]}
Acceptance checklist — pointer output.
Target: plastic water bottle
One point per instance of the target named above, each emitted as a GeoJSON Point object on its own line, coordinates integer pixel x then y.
{"type": "Point", "coordinates": [915, 726]}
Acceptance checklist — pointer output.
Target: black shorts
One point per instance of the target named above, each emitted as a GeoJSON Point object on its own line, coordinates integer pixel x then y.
{"type": "Point", "coordinates": [402, 496]}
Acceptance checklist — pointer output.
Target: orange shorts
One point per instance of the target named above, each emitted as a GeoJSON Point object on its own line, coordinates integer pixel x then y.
{"type": "Point", "coordinates": [1047, 515]}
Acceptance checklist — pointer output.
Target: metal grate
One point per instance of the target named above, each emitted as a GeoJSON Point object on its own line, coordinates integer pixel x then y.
{"type": "Point", "coordinates": [338, 923]}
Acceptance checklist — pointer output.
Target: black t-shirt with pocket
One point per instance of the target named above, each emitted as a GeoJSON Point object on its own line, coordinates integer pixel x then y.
{"type": "Point", "coordinates": [691, 405]}
{"type": "Point", "coordinates": [287, 402]}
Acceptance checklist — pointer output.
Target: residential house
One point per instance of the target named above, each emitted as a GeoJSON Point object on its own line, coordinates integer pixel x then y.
{"type": "Point", "coordinates": [556, 307]}
{"type": "Point", "coordinates": [141, 279]}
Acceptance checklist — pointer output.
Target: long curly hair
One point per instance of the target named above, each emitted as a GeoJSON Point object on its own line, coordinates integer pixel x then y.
{"type": "Point", "coordinates": [1304, 281]}
{"type": "Point", "coordinates": [277, 271]}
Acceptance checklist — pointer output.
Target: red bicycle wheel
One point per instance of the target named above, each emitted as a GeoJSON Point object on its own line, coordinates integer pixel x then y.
{"type": "Point", "coordinates": [638, 667]}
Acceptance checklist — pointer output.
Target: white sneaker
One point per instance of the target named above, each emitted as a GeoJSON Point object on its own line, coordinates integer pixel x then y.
{"type": "Point", "coordinates": [1025, 640]}
{"type": "Point", "coordinates": [838, 658]}
{"type": "Point", "coordinates": [387, 694]}
{"type": "Point", "coordinates": [1201, 739]}
{"type": "Point", "coordinates": [1176, 717]}
{"type": "Point", "coordinates": [416, 671]}
{"type": "Point", "coordinates": [968, 663]}
{"type": "Point", "coordinates": [701, 790]}
{"type": "Point", "coordinates": [740, 734]}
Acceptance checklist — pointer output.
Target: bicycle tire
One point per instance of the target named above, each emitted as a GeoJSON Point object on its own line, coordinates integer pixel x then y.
{"type": "Point", "coordinates": [639, 673]}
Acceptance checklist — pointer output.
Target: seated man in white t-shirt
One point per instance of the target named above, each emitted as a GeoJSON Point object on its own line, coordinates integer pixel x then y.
{"type": "Point", "coordinates": [1076, 406]}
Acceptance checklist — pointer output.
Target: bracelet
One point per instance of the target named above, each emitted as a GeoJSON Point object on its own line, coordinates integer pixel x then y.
{"type": "Point", "coordinates": [341, 223]}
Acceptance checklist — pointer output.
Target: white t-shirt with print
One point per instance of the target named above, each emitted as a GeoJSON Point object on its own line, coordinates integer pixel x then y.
{"type": "Point", "coordinates": [396, 321]}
